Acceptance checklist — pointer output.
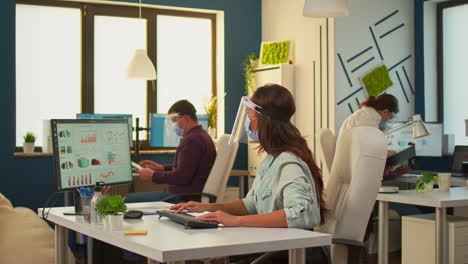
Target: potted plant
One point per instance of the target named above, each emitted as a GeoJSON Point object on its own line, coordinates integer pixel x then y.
{"type": "Point", "coordinates": [111, 208]}
{"type": "Point", "coordinates": [211, 110]}
{"type": "Point", "coordinates": [28, 145]}
{"type": "Point", "coordinates": [249, 64]}
{"type": "Point", "coordinates": [425, 183]}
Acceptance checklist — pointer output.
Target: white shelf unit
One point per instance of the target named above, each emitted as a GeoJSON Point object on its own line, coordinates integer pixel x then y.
{"type": "Point", "coordinates": [418, 239]}
{"type": "Point", "coordinates": [282, 74]}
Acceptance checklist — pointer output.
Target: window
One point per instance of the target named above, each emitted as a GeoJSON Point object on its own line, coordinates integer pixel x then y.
{"type": "Point", "coordinates": [453, 78]}
{"type": "Point", "coordinates": [184, 61]}
{"type": "Point", "coordinates": [115, 41]}
{"type": "Point", "coordinates": [48, 66]}
{"type": "Point", "coordinates": [73, 57]}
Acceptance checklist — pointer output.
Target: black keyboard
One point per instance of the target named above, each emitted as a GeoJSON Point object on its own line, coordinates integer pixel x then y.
{"type": "Point", "coordinates": [189, 221]}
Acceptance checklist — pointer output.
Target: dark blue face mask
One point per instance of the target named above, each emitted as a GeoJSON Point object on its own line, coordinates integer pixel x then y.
{"type": "Point", "coordinates": [251, 133]}
{"type": "Point", "coordinates": [382, 125]}
{"type": "Point", "coordinates": [179, 131]}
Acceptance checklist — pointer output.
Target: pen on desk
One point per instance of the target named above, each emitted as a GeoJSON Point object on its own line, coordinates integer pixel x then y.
{"type": "Point", "coordinates": [104, 191]}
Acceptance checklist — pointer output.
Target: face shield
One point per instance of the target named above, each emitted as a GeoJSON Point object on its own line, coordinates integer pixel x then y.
{"type": "Point", "coordinates": [246, 113]}
{"type": "Point", "coordinates": [173, 132]}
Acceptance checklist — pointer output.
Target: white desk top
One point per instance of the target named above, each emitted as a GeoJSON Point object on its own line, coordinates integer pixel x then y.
{"type": "Point", "coordinates": [458, 196]}
{"type": "Point", "coordinates": [169, 241]}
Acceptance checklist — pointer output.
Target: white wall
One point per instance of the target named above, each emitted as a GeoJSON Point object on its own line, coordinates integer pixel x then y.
{"type": "Point", "coordinates": [353, 36]}
{"type": "Point", "coordinates": [283, 20]}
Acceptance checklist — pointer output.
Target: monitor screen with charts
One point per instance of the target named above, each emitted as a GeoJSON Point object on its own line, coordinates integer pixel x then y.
{"type": "Point", "coordinates": [429, 146]}
{"type": "Point", "coordinates": [87, 151]}
{"type": "Point", "coordinates": [110, 116]}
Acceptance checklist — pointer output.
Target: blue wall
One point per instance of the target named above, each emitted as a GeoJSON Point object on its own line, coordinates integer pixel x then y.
{"type": "Point", "coordinates": [30, 181]}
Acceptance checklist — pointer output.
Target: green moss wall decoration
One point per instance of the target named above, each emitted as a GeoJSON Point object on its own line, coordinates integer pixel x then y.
{"type": "Point", "coordinates": [377, 81]}
{"type": "Point", "coordinates": [275, 52]}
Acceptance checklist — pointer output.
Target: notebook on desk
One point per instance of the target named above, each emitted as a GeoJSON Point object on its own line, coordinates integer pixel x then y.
{"type": "Point", "coordinates": [402, 156]}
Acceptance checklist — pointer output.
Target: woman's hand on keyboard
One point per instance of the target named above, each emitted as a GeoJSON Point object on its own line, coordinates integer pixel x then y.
{"type": "Point", "coordinates": [192, 207]}
{"type": "Point", "coordinates": [221, 217]}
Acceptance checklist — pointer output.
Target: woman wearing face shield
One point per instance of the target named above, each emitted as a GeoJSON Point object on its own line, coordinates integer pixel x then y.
{"type": "Point", "coordinates": [287, 191]}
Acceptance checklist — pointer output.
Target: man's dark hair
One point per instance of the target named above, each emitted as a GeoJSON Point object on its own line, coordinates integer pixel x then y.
{"type": "Point", "coordinates": [184, 107]}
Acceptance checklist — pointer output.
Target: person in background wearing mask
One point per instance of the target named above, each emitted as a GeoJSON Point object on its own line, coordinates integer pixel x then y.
{"type": "Point", "coordinates": [375, 112]}
{"type": "Point", "coordinates": [193, 161]}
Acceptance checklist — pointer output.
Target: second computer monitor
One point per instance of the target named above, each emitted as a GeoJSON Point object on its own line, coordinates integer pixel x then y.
{"type": "Point", "coordinates": [162, 133]}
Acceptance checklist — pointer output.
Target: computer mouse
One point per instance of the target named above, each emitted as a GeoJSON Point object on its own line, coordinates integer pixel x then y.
{"type": "Point", "coordinates": [133, 214]}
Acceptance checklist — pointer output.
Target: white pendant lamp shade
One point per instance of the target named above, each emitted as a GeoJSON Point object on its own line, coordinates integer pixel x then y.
{"type": "Point", "coordinates": [326, 8]}
{"type": "Point", "coordinates": [141, 67]}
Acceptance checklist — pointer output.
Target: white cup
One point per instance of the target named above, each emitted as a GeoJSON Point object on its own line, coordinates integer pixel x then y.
{"type": "Point", "coordinates": [444, 181]}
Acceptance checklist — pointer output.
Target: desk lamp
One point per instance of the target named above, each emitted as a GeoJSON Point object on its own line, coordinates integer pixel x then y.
{"type": "Point", "coordinates": [141, 67]}
{"type": "Point", "coordinates": [419, 128]}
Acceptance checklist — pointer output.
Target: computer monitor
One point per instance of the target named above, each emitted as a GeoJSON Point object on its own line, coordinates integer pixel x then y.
{"type": "Point", "coordinates": [460, 155]}
{"type": "Point", "coordinates": [110, 116]}
{"type": "Point", "coordinates": [87, 151]}
{"type": "Point", "coordinates": [162, 134]}
{"type": "Point", "coordinates": [429, 146]}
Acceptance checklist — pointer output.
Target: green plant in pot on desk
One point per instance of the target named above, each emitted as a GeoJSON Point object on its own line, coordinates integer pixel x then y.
{"type": "Point", "coordinates": [28, 145]}
{"type": "Point", "coordinates": [425, 183]}
{"type": "Point", "coordinates": [111, 208]}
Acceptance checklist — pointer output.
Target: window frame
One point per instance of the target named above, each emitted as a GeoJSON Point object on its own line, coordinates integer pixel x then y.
{"type": "Point", "coordinates": [440, 54]}
{"type": "Point", "coordinates": [88, 13]}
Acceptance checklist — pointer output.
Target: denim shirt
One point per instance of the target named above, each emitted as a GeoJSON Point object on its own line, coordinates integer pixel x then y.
{"type": "Point", "coordinates": [285, 183]}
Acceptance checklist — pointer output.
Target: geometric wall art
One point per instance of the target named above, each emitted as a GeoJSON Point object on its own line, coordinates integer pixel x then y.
{"type": "Point", "coordinates": [374, 42]}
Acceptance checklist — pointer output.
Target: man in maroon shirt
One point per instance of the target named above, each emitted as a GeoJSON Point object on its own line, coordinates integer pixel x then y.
{"type": "Point", "coordinates": [193, 161]}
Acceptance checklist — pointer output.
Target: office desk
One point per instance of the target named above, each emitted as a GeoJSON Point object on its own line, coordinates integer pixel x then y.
{"type": "Point", "coordinates": [457, 197]}
{"type": "Point", "coordinates": [412, 178]}
{"type": "Point", "coordinates": [167, 241]}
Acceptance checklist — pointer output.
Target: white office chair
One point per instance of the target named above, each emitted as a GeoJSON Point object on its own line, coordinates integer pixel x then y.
{"type": "Point", "coordinates": [327, 145]}
{"type": "Point", "coordinates": [215, 185]}
{"type": "Point", "coordinates": [352, 188]}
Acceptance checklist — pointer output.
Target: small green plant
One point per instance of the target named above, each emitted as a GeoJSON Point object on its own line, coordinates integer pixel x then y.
{"type": "Point", "coordinates": [248, 65]}
{"type": "Point", "coordinates": [211, 110]}
{"type": "Point", "coordinates": [29, 137]}
{"type": "Point", "coordinates": [110, 204]}
{"type": "Point", "coordinates": [426, 177]}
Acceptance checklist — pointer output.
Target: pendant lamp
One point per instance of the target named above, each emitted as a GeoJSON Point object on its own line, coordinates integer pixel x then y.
{"type": "Point", "coordinates": [141, 67]}
{"type": "Point", "coordinates": [325, 8]}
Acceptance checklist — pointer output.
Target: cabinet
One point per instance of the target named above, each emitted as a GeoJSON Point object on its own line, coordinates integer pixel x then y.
{"type": "Point", "coordinates": [418, 239]}
{"type": "Point", "coordinates": [282, 74]}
